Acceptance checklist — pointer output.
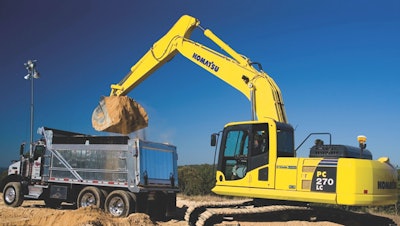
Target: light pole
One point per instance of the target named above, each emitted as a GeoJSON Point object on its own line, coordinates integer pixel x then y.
{"type": "Point", "coordinates": [32, 74]}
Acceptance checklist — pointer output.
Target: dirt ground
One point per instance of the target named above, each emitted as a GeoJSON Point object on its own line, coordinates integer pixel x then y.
{"type": "Point", "coordinates": [34, 213]}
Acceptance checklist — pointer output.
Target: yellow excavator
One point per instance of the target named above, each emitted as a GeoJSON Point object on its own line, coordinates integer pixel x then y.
{"type": "Point", "coordinates": [257, 158]}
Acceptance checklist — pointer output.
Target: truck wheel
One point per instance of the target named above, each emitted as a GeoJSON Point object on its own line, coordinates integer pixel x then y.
{"type": "Point", "coordinates": [90, 196]}
{"type": "Point", "coordinates": [118, 203]}
{"type": "Point", "coordinates": [12, 195]}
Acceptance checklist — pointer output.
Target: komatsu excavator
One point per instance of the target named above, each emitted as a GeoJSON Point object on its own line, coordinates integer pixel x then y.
{"type": "Point", "coordinates": [257, 158]}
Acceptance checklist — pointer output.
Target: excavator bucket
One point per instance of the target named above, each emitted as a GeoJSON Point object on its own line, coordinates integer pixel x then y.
{"type": "Point", "coordinates": [119, 114]}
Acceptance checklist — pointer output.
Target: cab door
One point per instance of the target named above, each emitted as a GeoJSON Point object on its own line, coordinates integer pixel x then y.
{"type": "Point", "coordinates": [234, 156]}
{"type": "Point", "coordinates": [259, 152]}
{"type": "Point", "coordinates": [245, 156]}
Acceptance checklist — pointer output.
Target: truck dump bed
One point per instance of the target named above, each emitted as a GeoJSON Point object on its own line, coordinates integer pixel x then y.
{"type": "Point", "coordinates": [109, 161]}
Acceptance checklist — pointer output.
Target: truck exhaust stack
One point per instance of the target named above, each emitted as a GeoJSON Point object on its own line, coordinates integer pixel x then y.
{"type": "Point", "coordinates": [119, 114]}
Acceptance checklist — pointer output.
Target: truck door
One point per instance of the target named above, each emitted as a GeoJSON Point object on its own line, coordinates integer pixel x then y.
{"type": "Point", "coordinates": [38, 159]}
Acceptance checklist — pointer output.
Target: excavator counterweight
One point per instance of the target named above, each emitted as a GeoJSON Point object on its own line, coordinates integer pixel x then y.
{"type": "Point", "coordinates": [119, 114]}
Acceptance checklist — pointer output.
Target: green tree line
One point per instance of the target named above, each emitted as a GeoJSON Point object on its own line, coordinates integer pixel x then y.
{"type": "Point", "coordinates": [196, 179]}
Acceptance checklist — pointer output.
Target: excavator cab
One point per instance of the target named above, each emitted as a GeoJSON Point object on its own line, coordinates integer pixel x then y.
{"type": "Point", "coordinates": [250, 145]}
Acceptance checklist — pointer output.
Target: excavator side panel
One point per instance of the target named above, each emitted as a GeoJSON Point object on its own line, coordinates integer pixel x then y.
{"type": "Point", "coordinates": [366, 182]}
{"type": "Point", "coordinates": [343, 181]}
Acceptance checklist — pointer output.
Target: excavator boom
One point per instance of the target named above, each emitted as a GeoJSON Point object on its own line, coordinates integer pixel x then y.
{"type": "Point", "coordinates": [161, 52]}
{"type": "Point", "coordinates": [235, 69]}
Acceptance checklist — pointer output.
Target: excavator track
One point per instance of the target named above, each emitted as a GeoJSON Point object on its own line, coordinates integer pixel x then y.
{"type": "Point", "coordinates": [204, 214]}
{"type": "Point", "coordinates": [194, 210]}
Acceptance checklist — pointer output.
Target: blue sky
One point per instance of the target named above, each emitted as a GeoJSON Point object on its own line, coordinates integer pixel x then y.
{"type": "Point", "coordinates": [336, 62]}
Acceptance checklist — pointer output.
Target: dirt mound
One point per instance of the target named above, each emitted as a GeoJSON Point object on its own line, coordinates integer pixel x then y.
{"type": "Point", "coordinates": [87, 216]}
{"type": "Point", "coordinates": [119, 114]}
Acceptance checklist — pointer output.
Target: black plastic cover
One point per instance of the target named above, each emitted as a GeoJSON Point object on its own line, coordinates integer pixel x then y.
{"type": "Point", "coordinates": [339, 151]}
{"type": "Point", "coordinates": [66, 137]}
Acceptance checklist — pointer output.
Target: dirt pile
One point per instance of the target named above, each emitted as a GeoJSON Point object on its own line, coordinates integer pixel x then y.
{"type": "Point", "coordinates": [87, 216]}
{"type": "Point", "coordinates": [119, 114]}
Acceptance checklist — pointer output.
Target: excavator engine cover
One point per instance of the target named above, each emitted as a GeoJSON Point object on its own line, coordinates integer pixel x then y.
{"type": "Point", "coordinates": [119, 114]}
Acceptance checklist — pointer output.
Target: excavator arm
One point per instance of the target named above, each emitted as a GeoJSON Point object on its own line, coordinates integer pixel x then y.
{"type": "Point", "coordinates": [235, 69]}
{"type": "Point", "coordinates": [161, 52]}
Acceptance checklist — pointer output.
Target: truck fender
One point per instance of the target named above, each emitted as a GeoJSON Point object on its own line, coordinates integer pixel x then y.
{"type": "Point", "coordinates": [10, 178]}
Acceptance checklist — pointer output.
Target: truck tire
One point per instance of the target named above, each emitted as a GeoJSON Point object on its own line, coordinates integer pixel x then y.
{"type": "Point", "coordinates": [90, 196]}
{"type": "Point", "coordinates": [119, 203]}
{"type": "Point", "coordinates": [12, 194]}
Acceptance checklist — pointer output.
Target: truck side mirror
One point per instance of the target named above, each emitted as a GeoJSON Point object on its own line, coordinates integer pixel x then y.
{"type": "Point", "coordinates": [21, 149]}
{"type": "Point", "coordinates": [214, 139]}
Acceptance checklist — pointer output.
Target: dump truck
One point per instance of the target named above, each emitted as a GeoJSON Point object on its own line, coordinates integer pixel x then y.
{"type": "Point", "coordinates": [115, 173]}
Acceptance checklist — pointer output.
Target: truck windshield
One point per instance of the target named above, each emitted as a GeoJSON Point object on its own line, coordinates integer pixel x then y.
{"type": "Point", "coordinates": [39, 151]}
